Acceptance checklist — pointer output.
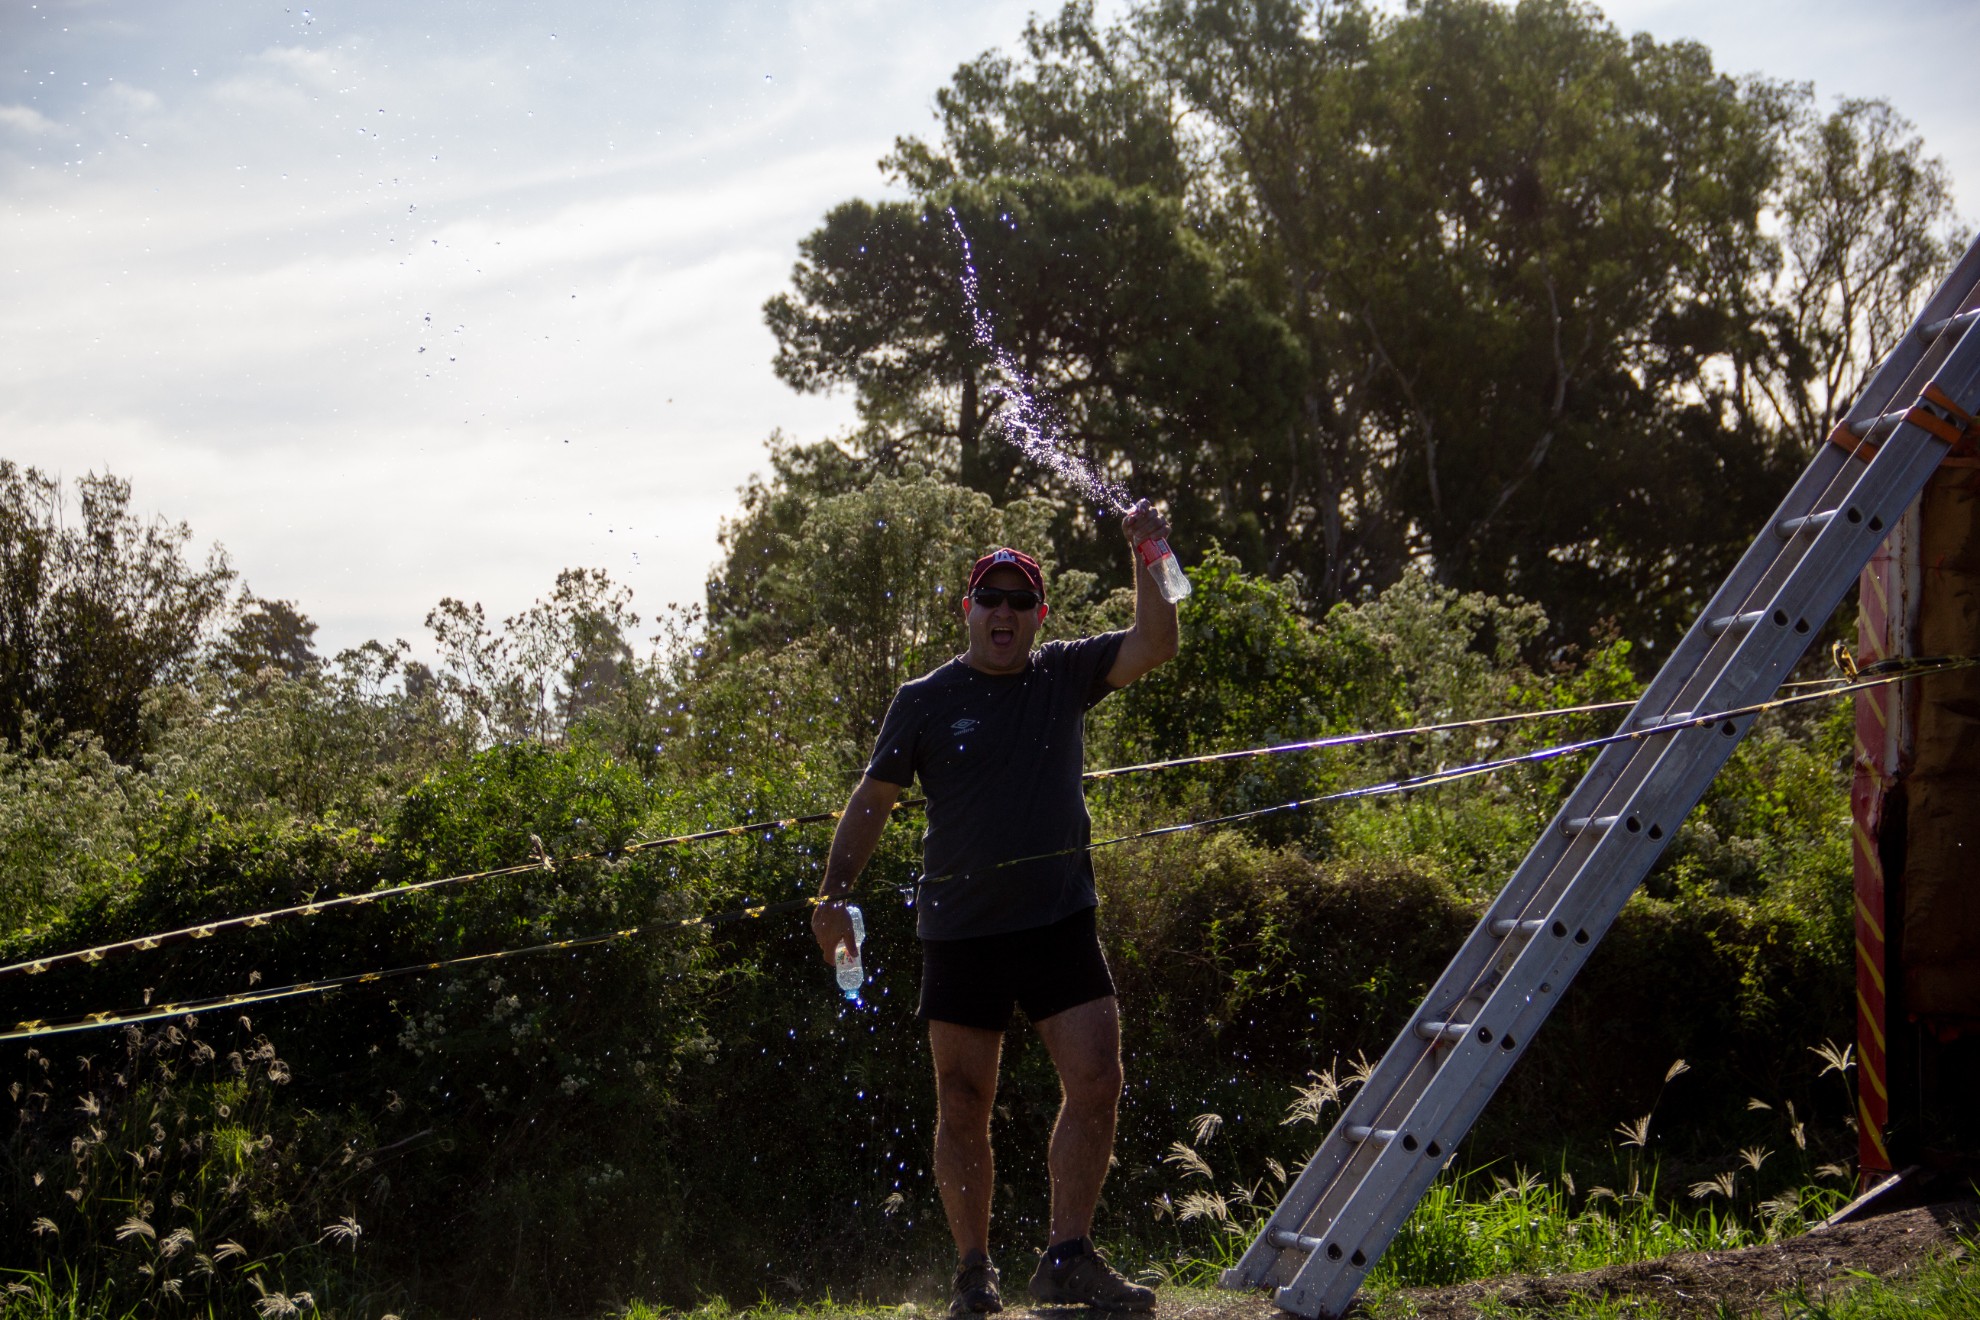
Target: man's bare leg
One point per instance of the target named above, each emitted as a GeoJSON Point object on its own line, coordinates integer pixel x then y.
{"type": "Point", "coordinates": [965, 1088]}
{"type": "Point", "coordinates": [1085, 1044]}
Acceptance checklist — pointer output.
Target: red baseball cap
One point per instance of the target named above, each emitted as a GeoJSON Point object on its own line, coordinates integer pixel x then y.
{"type": "Point", "coordinates": [1005, 557]}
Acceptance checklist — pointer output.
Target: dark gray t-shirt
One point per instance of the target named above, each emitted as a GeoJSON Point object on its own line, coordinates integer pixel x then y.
{"type": "Point", "coordinates": [1000, 758]}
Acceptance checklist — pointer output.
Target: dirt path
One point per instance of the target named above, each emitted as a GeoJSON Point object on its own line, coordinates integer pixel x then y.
{"type": "Point", "coordinates": [1688, 1284]}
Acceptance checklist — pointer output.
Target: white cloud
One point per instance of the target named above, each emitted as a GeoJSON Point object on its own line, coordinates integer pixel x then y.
{"type": "Point", "coordinates": [222, 292]}
{"type": "Point", "coordinates": [26, 120]}
{"type": "Point", "coordinates": [131, 100]}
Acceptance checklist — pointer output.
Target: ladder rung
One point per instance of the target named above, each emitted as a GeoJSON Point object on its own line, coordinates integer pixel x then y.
{"type": "Point", "coordinates": [1578, 824]}
{"type": "Point", "coordinates": [1443, 1030]}
{"type": "Point", "coordinates": [1727, 622]}
{"type": "Point", "coordinates": [1787, 527]}
{"type": "Point", "coordinates": [1876, 428]}
{"type": "Point", "coordinates": [1505, 926]}
{"type": "Point", "coordinates": [1933, 329]}
{"type": "Point", "coordinates": [1286, 1239]}
{"type": "Point", "coordinates": [1361, 1132]}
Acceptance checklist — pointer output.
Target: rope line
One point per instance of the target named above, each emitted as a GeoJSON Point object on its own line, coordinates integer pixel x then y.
{"type": "Point", "coordinates": [1872, 676]}
{"type": "Point", "coordinates": [90, 1021]}
{"type": "Point", "coordinates": [1357, 739]}
{"type": "Point", "coordinates": [543, 862]}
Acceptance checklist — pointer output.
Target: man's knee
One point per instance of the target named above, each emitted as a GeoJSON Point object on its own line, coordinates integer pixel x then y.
{"type": "Point", "coordinates": [965, 1097]}
{"type": "Point", "coordinates": [965, 1073]}
{"type": "Point", "coordinates": [1094, 1083]}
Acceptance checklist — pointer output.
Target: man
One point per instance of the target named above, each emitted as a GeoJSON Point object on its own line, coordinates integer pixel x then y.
{"type": "Point", "coordinates": [1006, 902]}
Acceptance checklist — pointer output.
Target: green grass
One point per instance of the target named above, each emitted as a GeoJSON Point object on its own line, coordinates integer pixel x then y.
{"type": "Point", "coordinates": [1946, 1288]}
{"type": "Point", "coordinates": [827, 1309]}
{"type": "Point", "coordinates": [1475, 1225]}
{"type": "Point", "coordinates": [38, 1295]}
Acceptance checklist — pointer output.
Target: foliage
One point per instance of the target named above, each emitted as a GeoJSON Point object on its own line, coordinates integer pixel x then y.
{"type": "Point", "coordinates": [167, 1172]}
{"type": "Point", "coordinates": [1452, 338]}
{"type": "Point", "coordinates": [1076, 103]}
{"type": "Point", "coordinates": [341, 741]}
{"type": "Point", "coordinates": [1538, 340]}
{"type": "Point", "coordinates": [65, 826]}
{"type": "Point", "coordinates": [545, 666]}
{"type": "Point", "coordinates": [265, 635]}
{"type": "Point", "coordinates": [1564, 199]}
{"type": "Point", "coordinates": [1159, 368]}
{"type": "Point", "coordinates": [92, 616]}
{"type": "Point", "coordinates": [1479, 1222]}
{"type": "Point", "coordinates": [1864, 212]}
{"type": "Point", "coordinates": [1253, 672]}
{"type": "Point", "coordinates": [575, 1107]}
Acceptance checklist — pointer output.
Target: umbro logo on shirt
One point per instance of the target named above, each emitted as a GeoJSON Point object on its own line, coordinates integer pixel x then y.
{"type": "Point", "coordinates": [963, 726]}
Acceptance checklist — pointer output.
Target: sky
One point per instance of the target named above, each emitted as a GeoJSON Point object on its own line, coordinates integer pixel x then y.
{"type": "Point", "coordinates": [399, 302]}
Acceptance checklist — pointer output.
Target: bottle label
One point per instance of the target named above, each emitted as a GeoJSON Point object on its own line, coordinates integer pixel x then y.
{"type": "Point", "coordinates": [1152, 549]}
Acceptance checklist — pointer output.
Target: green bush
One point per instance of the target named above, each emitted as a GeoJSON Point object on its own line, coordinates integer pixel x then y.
{"type": "Point", "coordinates": [165, 1170]}
{"type": "Point", "coordinates": [557, 1132]}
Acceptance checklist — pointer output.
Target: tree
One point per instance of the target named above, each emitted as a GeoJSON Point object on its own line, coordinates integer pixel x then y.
{"type": "Point", "coordinates": [1164, 374]}
{"type": "Point", "coordinates": [1079, 102]}
{"type": "Point", "coordinates": [869, 582]}
{"type": "Point", "coordinates": [267, 634]}
{"type": "Point", "coordinates": [1867, 232]}
{"type": "Point", "coordinates": [1545, 340]}
{"type": "Point", "coordinates": [563, 656]}
{"type": "Point", "coordinates": [93, 616]}
{"type": "Point", "coordinates": [1519, 247]}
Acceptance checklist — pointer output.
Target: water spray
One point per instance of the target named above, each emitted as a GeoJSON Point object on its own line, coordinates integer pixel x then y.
{"type": "Point", "coordinates": [1033, 429]}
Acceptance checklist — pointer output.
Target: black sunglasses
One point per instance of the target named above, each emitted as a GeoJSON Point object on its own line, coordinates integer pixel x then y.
{"type": "Point", "coordinates": [1021, 598]}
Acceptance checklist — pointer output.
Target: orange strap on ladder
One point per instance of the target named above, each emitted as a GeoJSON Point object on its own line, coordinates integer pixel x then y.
{"type": "Point", "coordinates": [1934, 412]}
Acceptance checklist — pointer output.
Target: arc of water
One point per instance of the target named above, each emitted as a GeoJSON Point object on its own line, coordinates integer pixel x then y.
{"type": "Point", "coordinates": [1030, 426]}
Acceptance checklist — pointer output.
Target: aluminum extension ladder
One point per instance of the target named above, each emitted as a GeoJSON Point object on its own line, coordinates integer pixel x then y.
{"type": "Point", "coordinates": [1406, 1120]}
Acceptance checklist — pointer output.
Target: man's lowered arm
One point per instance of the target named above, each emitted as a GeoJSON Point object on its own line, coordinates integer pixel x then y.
{"type": "Point", "coordinates": [853, 842]}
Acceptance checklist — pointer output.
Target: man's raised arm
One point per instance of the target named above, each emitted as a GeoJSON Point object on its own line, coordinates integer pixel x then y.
{"type": "Point", "coordinates": [1154, 636]}
{"type": "Point", "coordinates": [853, 842]}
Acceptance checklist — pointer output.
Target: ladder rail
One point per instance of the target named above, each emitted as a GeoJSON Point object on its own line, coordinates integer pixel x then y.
{"type": "Point", "coordinates": [1409, 1059]}
{"type": "Point", "coordinates": [1675, 777]}
{"type": "Point", "coordinates": [1395, 1132]}
{"type": "Point", "coordinates": [1407, 1056]}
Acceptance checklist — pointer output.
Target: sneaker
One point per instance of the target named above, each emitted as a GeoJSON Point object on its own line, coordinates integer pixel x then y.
{"type": "Point", "coordinates": [976, 1289]}
{"type": "Point", "coordinates": [1082, 1277]}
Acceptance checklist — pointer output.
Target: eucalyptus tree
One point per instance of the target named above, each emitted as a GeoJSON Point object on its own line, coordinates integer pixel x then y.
{"type": "Point", "coordinates": [1561, 307]}
{"type": "Point", "coordinates": [1516, 244]}
{"type": "Point", "coordinates": [1162, 372]}
{"type": "Point", "coordinates": [1866, 229]}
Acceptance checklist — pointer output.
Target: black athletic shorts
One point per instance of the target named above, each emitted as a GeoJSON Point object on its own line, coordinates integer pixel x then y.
{"type": "Point", "coordinates": [1044, 970]}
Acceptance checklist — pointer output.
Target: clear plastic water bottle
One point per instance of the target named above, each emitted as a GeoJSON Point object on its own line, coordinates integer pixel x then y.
{"type": "Point", "coordinates": [1162, 566]}
{"type": "Point", "coordinates": [845, 962]}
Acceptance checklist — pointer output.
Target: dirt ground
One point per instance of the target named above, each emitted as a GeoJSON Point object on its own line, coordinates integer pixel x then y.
{"type": "Point", "coordinates": [1689, 1284]}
